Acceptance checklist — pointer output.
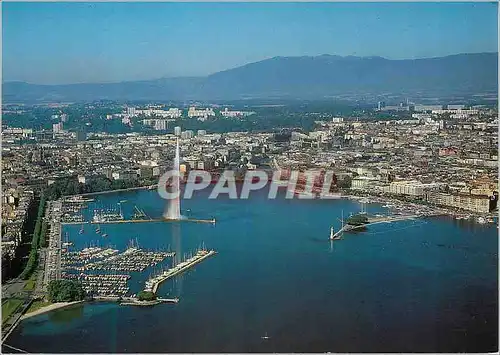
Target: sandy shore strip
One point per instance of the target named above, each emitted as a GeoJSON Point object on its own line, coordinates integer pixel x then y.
{"type": "Point", "coordinates": [50, 307]}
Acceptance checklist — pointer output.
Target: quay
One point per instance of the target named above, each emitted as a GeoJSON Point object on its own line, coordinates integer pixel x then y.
{"type": "Point", "coordinates": [153, 283]}
{"type": "Point", "coordinates": [151, 220]}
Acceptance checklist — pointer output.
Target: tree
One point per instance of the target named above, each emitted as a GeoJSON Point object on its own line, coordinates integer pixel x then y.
{"type": "Point", "coordinates": [146, 296]}
{"type": "Point", "coordinates": [344, 183]}
{"type": "Point", "coordinates": [65, 291]}
{"type": "Point", "coordinates": [357, 220]}
{"type": "Point", "coordinates": [43, 234]}
{"type": "Point", "coordinates": [35, 242]}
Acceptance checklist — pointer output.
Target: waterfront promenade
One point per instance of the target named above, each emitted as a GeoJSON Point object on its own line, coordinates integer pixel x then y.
{"type": "Point", "coordinates": [151, 220]}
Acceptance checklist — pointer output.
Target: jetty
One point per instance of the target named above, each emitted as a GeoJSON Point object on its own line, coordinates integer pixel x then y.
{"type": "Point", "coordinates": [130, 301]}
{"type": "Point", "coordinates": [153, 283]}
{"type": "Point", "coordinates": [369, 222]}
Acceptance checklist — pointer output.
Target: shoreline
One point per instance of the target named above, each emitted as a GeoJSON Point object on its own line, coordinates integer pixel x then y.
{"type": "Point", "coordinates": [400, 205]}
{"type": "Point", "coordinates": [127, 301]}
{"type": "Point", "coordinates": [49, 308]}
{"type": "Point", "coordinates": [346, 194]}
{"type": "Point", "coordinates": [61, 305]}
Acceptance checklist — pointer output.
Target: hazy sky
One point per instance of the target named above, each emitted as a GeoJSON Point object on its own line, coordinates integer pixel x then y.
{"type": "Point", "coordinates": [101, 42]}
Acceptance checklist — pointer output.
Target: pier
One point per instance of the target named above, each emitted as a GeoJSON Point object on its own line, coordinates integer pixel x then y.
{"type": "Point", "coordinates": [153, 283]}
{"type": "Point", "coordinates": [371, 221]}
{"type": "Point", "coordinates": [130, 301]}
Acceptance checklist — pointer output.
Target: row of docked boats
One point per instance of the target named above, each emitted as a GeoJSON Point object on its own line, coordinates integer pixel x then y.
{"type": "Point", "coordinates": [72, 259]}
{"type": "Point", "coordinates": [132, 259]}
{"type": "Point", "coordinates": [110, 285]}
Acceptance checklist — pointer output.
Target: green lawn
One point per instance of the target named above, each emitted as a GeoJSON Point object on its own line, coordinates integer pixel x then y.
{"type": "Point", "coordinates": [30, 284]}
{"type": "Point", "coordinates": [9, 306]}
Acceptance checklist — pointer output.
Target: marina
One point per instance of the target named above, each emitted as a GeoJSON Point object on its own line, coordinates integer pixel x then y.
{"type": "Point", "coordinates": [259, 254]}
{"type": "Point", "coordinates": [105, 271]}
{"type": "Point", "coordinates": [103, 260]}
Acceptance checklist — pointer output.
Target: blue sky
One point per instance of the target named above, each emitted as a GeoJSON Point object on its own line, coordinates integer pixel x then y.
{"type": "Point", "coordinates": [53, 43]}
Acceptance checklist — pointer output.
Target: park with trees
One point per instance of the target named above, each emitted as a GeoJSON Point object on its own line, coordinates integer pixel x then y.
{"type": "Point", "coordinates": [65, 291]}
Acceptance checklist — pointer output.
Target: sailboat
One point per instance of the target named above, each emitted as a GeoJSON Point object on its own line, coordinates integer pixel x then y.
{"type": "Point", "coordinates": [81, 230]}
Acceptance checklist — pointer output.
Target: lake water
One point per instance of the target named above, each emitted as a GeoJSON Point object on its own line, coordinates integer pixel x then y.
{"type": "Point", "coordinates": [412, 286]}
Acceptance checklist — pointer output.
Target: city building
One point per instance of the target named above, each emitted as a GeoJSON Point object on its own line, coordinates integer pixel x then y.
{"type": "Point", "coordinates": [172, 113]}
{"type": "Point", "coordinates": [411, 188]}
{"type": "Point", "coordinates": [455, 107]}
{"type": "Point", "coordinates": [131, 111]}
{"type": "Point", "coordinates": [194, 112]}
{"type": "Point", "coordinates": [57, 127]}
{"type": "Point", "coordinates": [427, 108]}
{"type": "Point", "coordinates": [227, 113]}
{"type": "Point", "coordinates": [161, 125]}
{"type": "Point", "coordinates": [187, 134]}
{"type": "Point", "coordinates": [466, 202]}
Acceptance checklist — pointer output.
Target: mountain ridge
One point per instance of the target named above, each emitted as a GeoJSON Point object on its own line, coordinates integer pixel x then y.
{"type": "Point", "coordinates": [295, 77]}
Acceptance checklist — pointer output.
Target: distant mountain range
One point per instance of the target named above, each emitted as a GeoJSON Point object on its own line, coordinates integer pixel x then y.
{"type": "Point", "coordinates": [292, 77]}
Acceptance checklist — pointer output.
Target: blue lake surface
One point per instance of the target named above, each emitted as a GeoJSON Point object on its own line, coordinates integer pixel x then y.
{"type": "Point", "coordinates": [414, 286]}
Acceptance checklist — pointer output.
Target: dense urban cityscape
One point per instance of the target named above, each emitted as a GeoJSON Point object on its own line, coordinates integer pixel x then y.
{"type": "Point", "coordinates": [424, 159]}
{"type": "Point", "coordinates": [443, 157]}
